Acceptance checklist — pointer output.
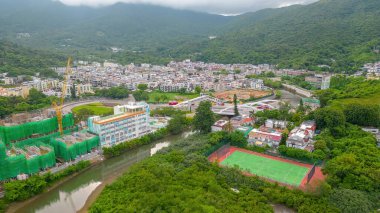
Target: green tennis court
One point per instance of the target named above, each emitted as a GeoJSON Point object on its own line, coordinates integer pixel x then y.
{"type": "Point", "coordinates": [269, 168]}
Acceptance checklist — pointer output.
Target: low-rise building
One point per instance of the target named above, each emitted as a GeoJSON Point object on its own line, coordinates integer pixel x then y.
{"type": "Point", "coordinates": [157, 123]}
{"type": "Point", "coordinates": [128, 122]}
{"type": "Point", "coordinates": [22, 91]}
{"type": "Point", "coordinates": [219, 126]}
{"type": "Point", "coordinates": [257, 84]}
{"type": "Point", "coordinates": [301, 137]}
{"type": "Point", "coordinates": [265, 137]}
{"type": "Point", "coordinates": [375, 132]}
{"type": "Point", "coordinates": [311, 102]}
{"type": "Point", "coordinates": [238, 121]}
{"type": "Point", "coordinates": [277, 124]}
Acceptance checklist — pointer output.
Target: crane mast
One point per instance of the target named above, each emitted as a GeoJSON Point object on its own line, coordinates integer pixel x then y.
{"type": "Point", "coordinates": [58, 108]}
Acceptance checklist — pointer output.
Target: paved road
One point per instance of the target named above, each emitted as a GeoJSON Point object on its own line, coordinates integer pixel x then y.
{"type": "Point", "coordinates": [87, 157]}
{"type": "Point", "coordinates": [69, 106]}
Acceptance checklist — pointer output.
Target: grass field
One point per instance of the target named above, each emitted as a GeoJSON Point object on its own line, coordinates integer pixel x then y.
{"type": "Point", "coordinates": [339, 103]}
{"type": "Point", "coordinates": [97, 108]}
{"type": "Point", "coordinates": [172, 96]}
{"type": "Point", "coordinates": [268, 168]}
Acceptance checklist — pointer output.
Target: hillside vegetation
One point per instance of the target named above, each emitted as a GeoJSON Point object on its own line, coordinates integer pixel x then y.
{"type": "Point", "coordinates": [337, 36]}
{"type": "Point", "coordinates": [51, 24]}
{"type": "Point", "coordinates": [16, 60]}
{"type": "Point", "coordinates": [338, 33]}
{"type": "Point", "coordinates": [341, 35]}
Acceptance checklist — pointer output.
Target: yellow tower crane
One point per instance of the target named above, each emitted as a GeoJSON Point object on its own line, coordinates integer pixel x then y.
{"type": "Point", "coordinates": [58, 108]}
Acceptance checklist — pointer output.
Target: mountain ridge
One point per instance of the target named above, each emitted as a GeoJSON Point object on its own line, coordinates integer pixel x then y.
{"type": "Point", "coordinates": [338, 33]}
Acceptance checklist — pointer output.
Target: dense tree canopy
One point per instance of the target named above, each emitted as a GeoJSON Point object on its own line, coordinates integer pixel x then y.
{"type": "Point", "coordinates": [83, 114]}
{"type": "Point", "coordinates": [177, 124]}
{"type": "Point", "coordinates": [363, 114]}
{"type": "Point", "coordinates": [16, 104]}
{"type": "Point", "coordinates": [329, 118]}
{"type": "Point", "coordinates": [140, 95]}
{"type": "Point", "coordinates": [16, 60]}
{"type": "Point", "coordinates": [142, 87]}
{"type": "Point", "coordinates": [180, 179]}
{"type": "Point", "coordinates": [238, 139]}
{"type": "Point", "coordinates": [351, 201]}
{"type": "Point", "coordinates": [204, 118]}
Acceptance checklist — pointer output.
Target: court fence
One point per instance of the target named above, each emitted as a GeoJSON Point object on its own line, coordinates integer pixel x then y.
{"type": "Point", "coordinates": [219, 152]}
{"type": "Point", "coordinates": [311, 173]}
{"type": "Point", "coordinates": [306, 161]}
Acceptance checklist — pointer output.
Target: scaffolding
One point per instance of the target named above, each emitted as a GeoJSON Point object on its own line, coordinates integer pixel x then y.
{"type": "Point", "coordinates": [26, 148]}
{"type": "Point", "coordinates": [13, 134]}
{"type": "Point", "coordinates": [71, 146]}
{"type": "Point", "coordinates": [25, 159]}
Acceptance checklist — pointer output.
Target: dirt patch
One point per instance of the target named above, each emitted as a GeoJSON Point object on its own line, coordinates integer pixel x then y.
{"type": "Point", "coordinates": [242, 94]}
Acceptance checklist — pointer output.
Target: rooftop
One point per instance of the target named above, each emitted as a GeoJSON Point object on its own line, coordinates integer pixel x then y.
{"type": "Point", "coordinates": [76, 137]}
{"type": "Point", "coordinates": [310, 100]}
{"type": "Point", "coordinates": [113, 118]}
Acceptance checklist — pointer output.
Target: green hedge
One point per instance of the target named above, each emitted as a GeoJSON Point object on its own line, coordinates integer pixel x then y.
{"type": "Point", "coordinates": [302, 155]}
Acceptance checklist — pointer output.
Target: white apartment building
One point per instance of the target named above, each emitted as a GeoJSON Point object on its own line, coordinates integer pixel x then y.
{"type": "Point", "coordinates": [9, 81]}
{"type": "Point", "coordinates": [257, 84]}
{"type": "Point", "coordinates": [128, 122]}
{"type": "Point", "coordinates": [79, 89]}
{"type": "Point", "coordinates": [22, 91]}
{"type": "Point", "coordinates": [170, 87]}
{"type": "Point", "coordinates": [325, 82]}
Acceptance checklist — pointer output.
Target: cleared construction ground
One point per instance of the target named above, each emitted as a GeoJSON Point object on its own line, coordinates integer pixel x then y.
{"type": "Point", "coordinates": [242, 94]}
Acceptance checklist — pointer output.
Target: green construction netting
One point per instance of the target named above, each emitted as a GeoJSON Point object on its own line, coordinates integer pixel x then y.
{"type": "Point", "coordinates": [26, 130]}
{"type": "Point", "coordinates": [47, 160]}
{"type": "Point", "coordinates": [3, 151]}
{"type": "Point", "coordinates": [93, 143]}
{"type": "Point", "coordinates": [68, 120]}
{"type": "Point", "coordinates": [33, 165]}
{"type": "Point", "coordinates": [70, 152]}
{"type": "Point", "coordinates": [45, 139]}
{"type": "Point", "coordinates": [12, 166]}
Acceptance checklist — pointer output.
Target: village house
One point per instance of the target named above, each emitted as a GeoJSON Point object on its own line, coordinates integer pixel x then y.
{"type": "Point", "coordinates": [311, 102]}
{"type": "Point", "coordinates": [301, 137]}
{"type": "Point", "coordinates": [220, 125]}
{"type": "Point", "coordinates": [265, 136]}
{"type": "Point", "coordinates": [277, 124]}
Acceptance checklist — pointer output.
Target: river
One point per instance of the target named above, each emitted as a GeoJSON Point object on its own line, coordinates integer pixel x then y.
{"type": "Point", "coordinates": [77, 193]}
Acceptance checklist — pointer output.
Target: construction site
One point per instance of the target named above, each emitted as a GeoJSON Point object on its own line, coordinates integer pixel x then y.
{"type": "Point", "coordinates": [70, 146]}
{"type": "Point", "coordinates": [242, 94]}
{"type": "Point", "coordinates": [34, 142]}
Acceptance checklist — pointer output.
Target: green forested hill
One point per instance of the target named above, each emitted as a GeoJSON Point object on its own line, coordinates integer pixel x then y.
{"type": "Point", "coordinates": [51, 24]}
{"type": "Point", "coordinates": [16, 60]}
{"type": "Point", "coordinates": [338, 33]}
{"type": "Point", "coordinates": [342, 34]}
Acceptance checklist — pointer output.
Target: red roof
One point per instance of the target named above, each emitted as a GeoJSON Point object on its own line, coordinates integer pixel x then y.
{"type": "Point", "coordinates": [247, 120]}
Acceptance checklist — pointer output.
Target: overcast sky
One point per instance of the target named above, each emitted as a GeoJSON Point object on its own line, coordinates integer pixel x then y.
{"type": "Point", "coordinates": [211, 6]}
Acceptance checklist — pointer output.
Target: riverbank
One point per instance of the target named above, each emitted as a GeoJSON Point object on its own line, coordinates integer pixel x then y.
{"type": "Point", "coordinates": [80, 191]}
{"type": "Point", "coordinates": [61, 177]}
{"type": "Point", "coordinates": [13, 207]}
{"type": "Point", "coordinates": [96, 193]}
